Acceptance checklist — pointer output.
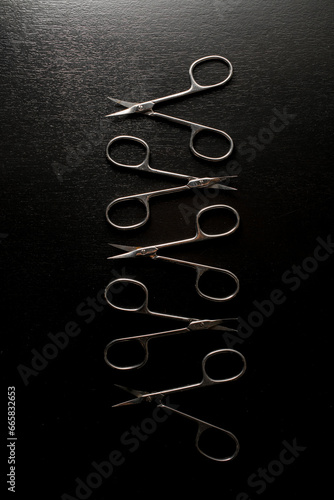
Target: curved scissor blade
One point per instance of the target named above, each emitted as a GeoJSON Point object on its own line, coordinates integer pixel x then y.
{"type": "Point", "coordinates": [128, 111]}
{"type": "Point", "coordinates": [224, 328]}
{"type": "Point", "coordinates": [131, 391]}
{"type": "Point", "coordinates": [223, 186]}
{"type": "Point", "coordinates": [131, 252]}
{"type": "Point", "coordinates": [211, 324]}
{"type": "Point", "coordinates": [126, 104]}
{"type": "Point", "coordinates": [124, 247]}
{"type": "Point", "coordinates": [130, 402]}
{"type": "Point", "coordinates": [143, 107]}
{"type": "Point", "coordinates": [131, 107]}
{"type": "Point", "coordinates": [140, 396]}
{"type": "Point", "coordinates": [134, 251]}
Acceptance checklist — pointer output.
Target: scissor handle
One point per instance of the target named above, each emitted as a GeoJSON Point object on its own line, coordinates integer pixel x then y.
{"type": "Point", "coordinates": [197, 129]}
{"type": "Point", "coordinates": [203, 427]}
{"type": "Point", "coordinates": [201, 270]}
{"type": "Point", "coordinates": [144, 165]}
{"type": "Point", "coordinates": [202, 235]}
{"type": "Point", "coordinates": [207, 380]}
{"type": "Point", "coordinates": [142, 308]}
{"type": "Point", "coordinates": [142, 340]}
{"type": "Point", "coordinates": [142, 198]}
{"type": "Point", "coordinates": [196, 86]}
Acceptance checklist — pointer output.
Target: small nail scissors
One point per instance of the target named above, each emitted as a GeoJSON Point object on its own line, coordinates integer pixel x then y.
{"type": "Point", "coordinates": [147, 108]}
{"type": "Point", "coordinates": [206, 381]}
{"type": "Point", "coordinates": [193, 323]}
{"type": "Point", "coordinates": [133, 251]}
{"type": "Point", "coordinates": [201, 269]}
{"type": "Point", "coordinates": [192, 182]}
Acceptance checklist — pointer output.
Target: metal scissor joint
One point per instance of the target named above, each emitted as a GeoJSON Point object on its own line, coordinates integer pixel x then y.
{"type": "Point", "coordinates": [201, 424]}
{"type": "Point", "coordinates": [195, 128]}
{"type": "Point", "coordinates": [193, 324]}
{"type": "Point", "coordinates": [191, 182]}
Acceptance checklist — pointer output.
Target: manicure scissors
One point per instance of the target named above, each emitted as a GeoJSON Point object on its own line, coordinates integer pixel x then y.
{"type": "Point", "coordinates": [192, 182]}
{"type": "Point", "coordinates": [200, 235]}
{"type": "Point", "coordinates": [147, 108]}
{"type": "Point", "coordinates": [201, 269]}
{"type": "Point", "coordinates": [193, 324]}
{"type": "Point", "coordinates": [206, 381]}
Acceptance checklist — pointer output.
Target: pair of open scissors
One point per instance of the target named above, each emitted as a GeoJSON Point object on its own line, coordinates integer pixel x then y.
{"type": "Point", "coordinates": [147, 108]}
{"type": "Point", "coordinates": [200, 235]}
{"type": "Point", "coordinates": [201, 269]}
{"type": "Point", "coordinates": [192, 182]}
{"type": "Point", "coordinates": [206, 381]}
{"type": "Point", "coordinates": [193, 323]}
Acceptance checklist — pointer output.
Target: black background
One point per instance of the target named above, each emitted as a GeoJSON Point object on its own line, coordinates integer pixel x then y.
{"type": "Point", "coordinates": [59, 63]}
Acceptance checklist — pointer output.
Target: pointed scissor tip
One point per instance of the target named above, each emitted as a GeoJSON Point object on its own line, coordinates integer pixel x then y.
{"type": "Point", "coordinates": [120, 404]}
{"type": "Point", "coordinates": [129, 402]}
{"type": "Point", "coordinates": [117, 113]}
{"type": "Point", "coordinates": [126, 248]}
{"type": "Point", "coordinates": [126, 104]}
{"type": "Point", "coordinates": [224, 187]}
{"type": "Point", "coordinates": [121, 387]}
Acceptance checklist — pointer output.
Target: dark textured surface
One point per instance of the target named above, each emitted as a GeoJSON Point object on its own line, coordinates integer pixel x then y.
{"type": "Point", "coordinates": [59, 62]}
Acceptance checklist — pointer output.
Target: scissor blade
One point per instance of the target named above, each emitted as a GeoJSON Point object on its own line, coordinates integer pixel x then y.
{"type": "Point", "coordinates": [137, 252]}
{"type": "Point", "coordinates": [123, 247]}
{"type": "Point", "coordinates": [140, 396]}
{"type": "Point", "coordinates": [223, 186]}
{"type": "Point", "coordinates": [210, 324]}
{"type": "Point", "coordinates": [219, 326]}
{"type": "Point", "coordinates": [224, 328]}
{"type": "Point", "coordinates": [131, 391]}
{"type": "Point", "coordinates": [128, 111]}
{"type": "Point", "coordinates": [126, 104]}
{"type": "Point", "coordinates": [130, 402]}
{"type": "Point", "coordinates": [131, 252]}
{"type": "Point", "coordinates": [127, 255]}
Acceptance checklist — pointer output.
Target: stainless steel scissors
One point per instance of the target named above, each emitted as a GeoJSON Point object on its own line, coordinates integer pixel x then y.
{"type": "Point", "coordinates": [193, 324]}
{"type": "Point", "coordinates": [200, 235]}
{"type": "Point", "coordinates": [206, 381]}
{"type": "Point", "coordinates": [147, 107]}
{"type": "Point", "coordinates": [201, 269]}
{"type": "Point", "coordinates": [192, 182]}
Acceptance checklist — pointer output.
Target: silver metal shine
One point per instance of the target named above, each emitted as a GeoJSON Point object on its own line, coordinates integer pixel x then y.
{"type": "Point", "coordinates": [192, 183]}
{"type": "Point", "coordinates": [195, 128]}
{"type": "Point", "coordinates": [206, 381]}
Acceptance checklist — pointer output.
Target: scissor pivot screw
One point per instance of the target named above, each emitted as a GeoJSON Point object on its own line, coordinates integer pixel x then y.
{"type": "Point", "coordinates": [140, 107]}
